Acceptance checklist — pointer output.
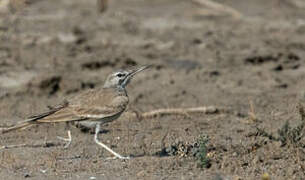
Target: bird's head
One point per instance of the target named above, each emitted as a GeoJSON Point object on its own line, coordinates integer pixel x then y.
{"type": "Point", "coordinates": [122, 77]}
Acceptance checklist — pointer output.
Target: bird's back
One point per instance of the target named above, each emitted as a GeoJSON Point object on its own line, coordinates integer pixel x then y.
{"type": "Point", "coordinates": [92, 105]}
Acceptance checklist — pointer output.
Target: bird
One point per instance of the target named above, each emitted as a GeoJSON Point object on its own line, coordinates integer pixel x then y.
{"type": "Point", "coordinates": [91, 108]}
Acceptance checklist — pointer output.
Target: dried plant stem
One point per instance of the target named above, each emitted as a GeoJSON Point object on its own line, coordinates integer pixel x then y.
{"type": "Point", "coordinates": [177, 111]}
{"type": "Point", "coordinates": [220, 8]}
{"type": "Point", "coordinates": [252, 114]}
{"type": "Point", "coordinates": [102, 5]}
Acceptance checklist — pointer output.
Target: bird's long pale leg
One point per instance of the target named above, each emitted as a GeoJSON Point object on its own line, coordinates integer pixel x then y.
{"type": "Point", "coordinates": [97, 130]}
{"type": "Point", "coordinates": [69, 139]}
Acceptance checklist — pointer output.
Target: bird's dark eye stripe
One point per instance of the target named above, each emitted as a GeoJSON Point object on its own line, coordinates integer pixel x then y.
{"type": "Point", "coordinates": [120, 75]}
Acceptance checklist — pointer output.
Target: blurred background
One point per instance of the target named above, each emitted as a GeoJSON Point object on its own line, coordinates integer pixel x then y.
{"type": "Point", "coordinates": [243, 56]}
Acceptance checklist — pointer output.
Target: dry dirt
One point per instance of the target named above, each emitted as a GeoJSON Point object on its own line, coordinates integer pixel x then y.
{"type": "Point", "coordinates": [253, 68]}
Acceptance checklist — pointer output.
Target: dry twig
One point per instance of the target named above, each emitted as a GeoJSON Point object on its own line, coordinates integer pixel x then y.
{"type": "Point", "coordinates": [251, 113]}
{"type": "Point", "coordinates": [102, 5]}
{"type": "Point", "coordinates": [219, 8]}
{"type": "Point", "coordinates": [176, 111]}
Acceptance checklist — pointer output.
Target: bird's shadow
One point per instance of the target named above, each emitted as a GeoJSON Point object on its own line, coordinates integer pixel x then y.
{"type": "Point", "coordinates": [136, 155]}
{"type": "Point", "coordinates": [156, 154]}
{"type": "Point", "coordinates": [92, 130]}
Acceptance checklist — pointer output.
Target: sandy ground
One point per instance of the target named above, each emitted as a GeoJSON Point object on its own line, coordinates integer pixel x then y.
{"type": "Point", "coordinates": [252, 68]}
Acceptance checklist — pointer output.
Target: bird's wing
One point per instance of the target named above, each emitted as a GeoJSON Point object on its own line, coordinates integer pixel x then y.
{"type": "Point", "coordinates": [90, 105]}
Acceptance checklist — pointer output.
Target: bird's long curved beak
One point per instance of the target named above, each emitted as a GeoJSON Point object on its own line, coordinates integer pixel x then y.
{"type": "Point", "coordinates": [132, 73]}
{"type": "Point", "coordinates": [135, 71]}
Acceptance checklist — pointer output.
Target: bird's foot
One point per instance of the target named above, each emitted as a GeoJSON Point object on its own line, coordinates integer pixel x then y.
{"type": "Point", "coordinates": [69, 139]}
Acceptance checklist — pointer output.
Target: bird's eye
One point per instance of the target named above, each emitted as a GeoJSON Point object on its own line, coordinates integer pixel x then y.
{"type": "Point", "coordinates": [120, 75]}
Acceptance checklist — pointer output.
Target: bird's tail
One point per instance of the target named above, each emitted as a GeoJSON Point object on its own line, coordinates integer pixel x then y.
{"type": "Point", "coordinates": [33, 119]}
{"type": "Point", "coordinates": [21, 125]}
